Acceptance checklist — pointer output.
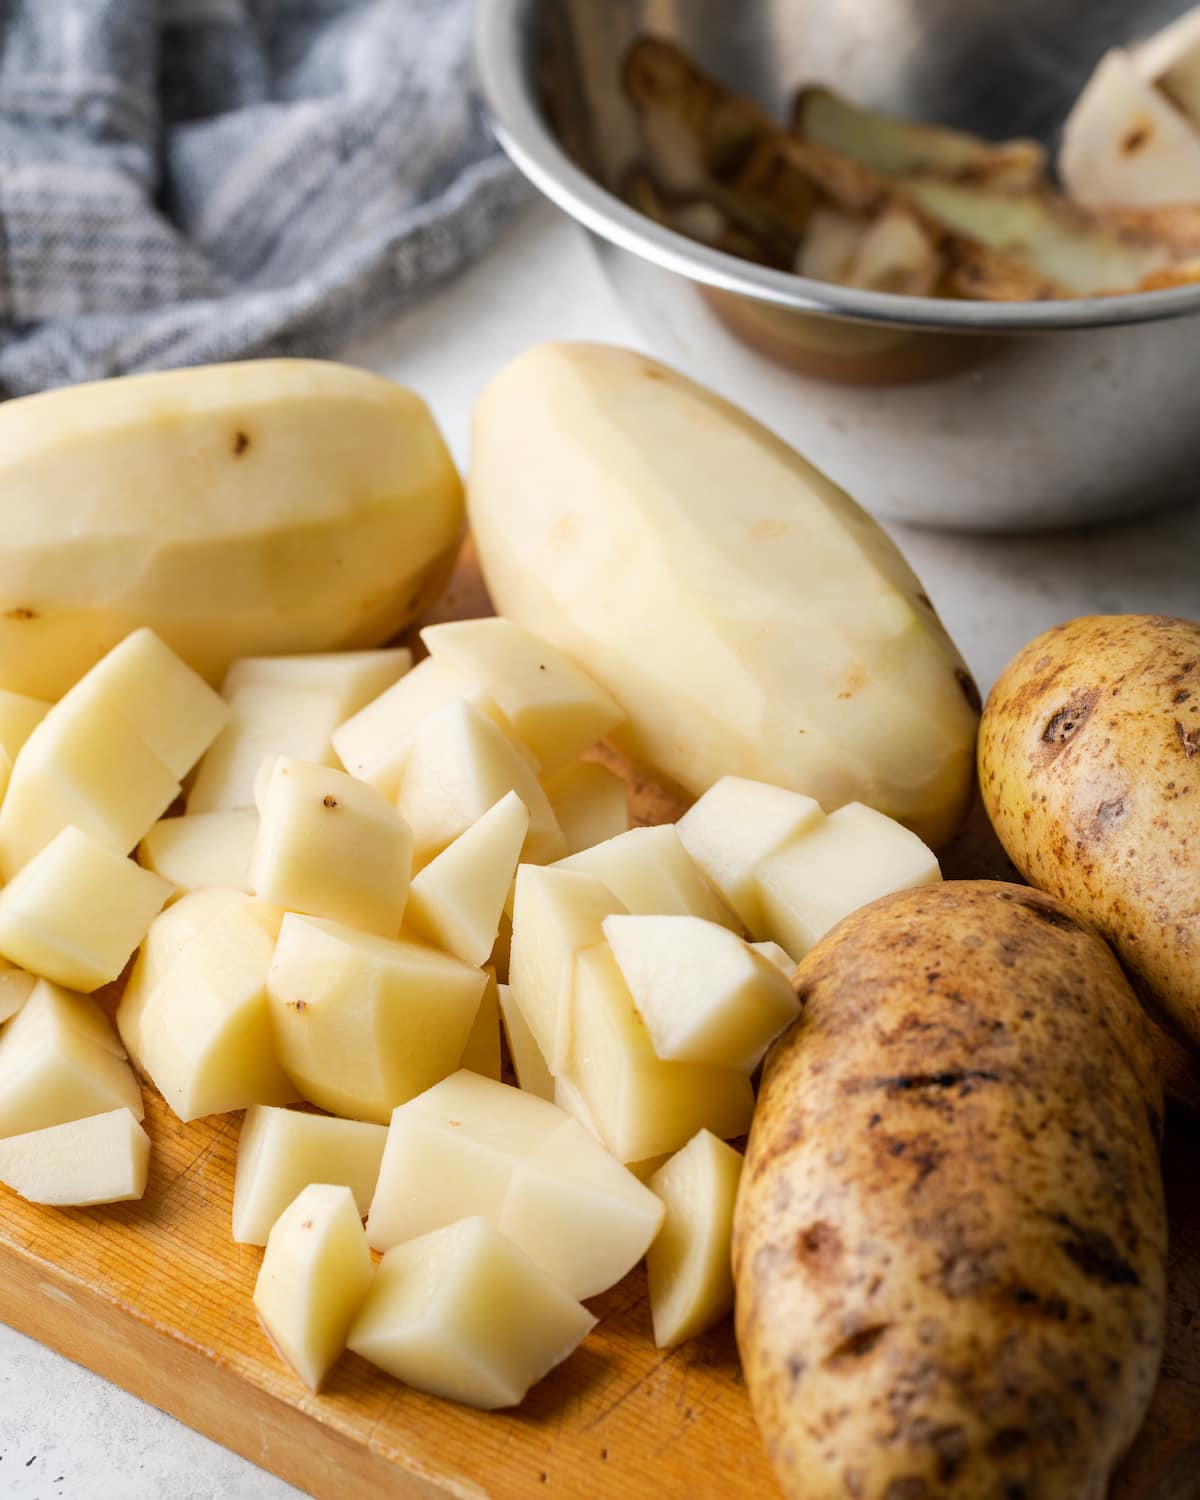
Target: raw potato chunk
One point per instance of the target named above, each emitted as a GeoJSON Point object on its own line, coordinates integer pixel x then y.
{"type": "Point", "coordinates": [373, 745]}
{"type": "Point", "coordinates": [60, 1060]}
{"type": "Point", "coordinates": [458, 765]}
{"type": "Point", "coordinates": [464, 1314]}
{"type": "Point", "coordinates": [203, 850]}
{"type": "Point", "coordinates": [599, 502]}
{"type": "Point", "coordinates": [314, 1278]}
{"type": "Point", "coordinates": [77, 911]}
{"type": "Point", "coordinates": [16, 986]}
{"type": "Point", "coordinates": [652, 874]}
{"type": "Point", "coordinates": [19, 717]}
{"type": "Point", "coordinates": [642, 1106]}
{"type": "Point", "coordinates": [471, 1146]}
{"type": "Point", "coordinates": [203, 1032]}
{"type": "Point", "coordinates": [704, 995]}
{"type": "Point", "coordinates": [734, 827]}
{"type": "Point", "coordinates": [689, 1265]}
{"type": "Point", "coordinates": [352, 678]}
{"type": "Point", "coordinates": [590, 802]}
{"type": "Point", "coordinates": [482, 1051]}
{"type": "Point", "coordinates": [457, 900]}
{"type": "Point", "coordinates": [363, 1022]}
{"type": "Point", "coordinates": [528, 1063]}
{"type": "Point", "coordinates": [556, 912]}
{"type": "Point", "coordinates": [331, 847]}
{"type": "Point", "coordinates": [850, 859]}
{"type": "Point", "coordinates": [1171, 61]}
{"type": "Point", "coordinates": [784, 962]}
{"type": "Point", "coordinates": [922, 1203]}
{"type": "Point", "coordinates": [99, 1159]}
{"type": "Point", "coordinates": [312, 507]}
{"type": "Point", "coordinates": [268, 719]}
{"type": "Point", "coordinates": [283, 1151]}
{"type": "Point", "coordinates": [554, 707]}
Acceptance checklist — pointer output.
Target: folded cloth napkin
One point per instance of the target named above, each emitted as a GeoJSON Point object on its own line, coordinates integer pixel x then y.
{"type": "Point", "coordinates": [192, 180]}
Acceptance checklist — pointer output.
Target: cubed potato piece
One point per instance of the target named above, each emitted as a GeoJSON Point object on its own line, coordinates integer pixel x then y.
{"type": "Point", "coordinates": [170, 708]}
{"type": "Point", "coordinates": [354, 678]}
{"type": "Point", "coordinates": [60, 1060]}
{"type": "Point", "coordinates": [773, 953]}
{"type": "Point", "coordinates": [590, 802]}
{"type": "Point", "coordinates": [202, 850]}
{"type": "Point", "coordinates": [266, 719]}
{"type": "Point", "coordinates": [330, 846]}
{"type": "Point", "coordinates": [556, 912]}
{"type": "Point", "coordinates": [83, 766]}
{"type": "Point", "coordinates": [363, 1022]}
{"type": "Point", "coordinates": [16, 985]}
{"type": "Point", "coordinates": [457, 900]}
{"type": "Point", "coordinates": [463, 1313]}
{"type": "Point", "coordinates": [568, 1097]}
{"type": "Point", "coordinates": [689, 1265]}
{"type": "Point", "coordinates": [77, 911]}
{"type": "Point", "coordinates": [482, 1051]}
{"type": "Point", "coordinates": [99, 1159]}
{"type": "Point", "coordinates": [642, 1105]}
{"type": "Point", "coordinates": [19, 717]}
{"type": "Point", "coordinates": [652, 874]}
{"type": "Point", "coordinates": [734, 827]}
{"type": "Point", "coordinates": [283, 1151]}
{"type": "Point", "coordinates": [554, 706]}
{"type": "Point", "coordinates": [471, 1146]}
{"type": "Point", "coordinates": [204, 1034]}
{"type": "Point", "coordinates": [855, 856]}
{"type": "Point", "coordinates": [373, 744]}
{"type": "Point", "coordinates": [314, 1279]}
{"type": "Point", "coordinates": [705, 996]}
{"type": "Point", "coordinates": [458, 765]}
{"type": "Point", "coordinates": [528, 1063]}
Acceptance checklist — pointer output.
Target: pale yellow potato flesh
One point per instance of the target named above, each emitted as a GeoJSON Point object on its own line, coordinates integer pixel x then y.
{"type": "Point", "coordinates": [464, 1314]}
{"type": "Point", "coordinates": [642, 1106]}
{"type": "Point", "coordinates": [1170, 59]}
{"type": "Point", "coordinates": [703, 994]}
{"type": "Point", "coordinates": [457, 900]}
{"type": "Point", "coordinates": [652, 874]}
{"type": "Point", "coordinates": [338, 473]}
{"type": "Point", "coordinates": [855, 856]}
{"type": "Point", "coordinates": [554, 707]}
{"type": "Point", "coordinates": [353, 678]}
{"type": "Point", "coordinates": [773, 953]}
{"type": "Point", "coordinates": [556, 912]}
{"type": "Point", "coordinates": [99, 1159]}
{"type": "Point", "coordinates": [458, 765]}
{"type": "Point", "coordinates": [734, 827]}
{"type": "Point", "coordinates": [202, 1034]}
{"type": "Point", "coordinates": [590, 802]}
{"type": "Point", "coordinates": [77, 912]}
{"type": "Point", "coordinates": [16, 986]}
{"type": "Point", "coordinates": [202, 850]}
{"type": "Point", "coordinates": [482, 1051]}
{"type": "Point", "coordinates": [472, 1146]}
{"type": "Point", "coordinates": [362, 1022]}
{"type": "Point", "coordinates": [19, 717]}
{"type": "Point", "coordinates": [689, 1266]}
{"type": "Point", "coordinates": [282, 1151]}
{"type": "Point", "coordinates": [528, 1063]}
{"type": "Point", "coordinates": [314, 1278]}
{"type": "Point", "coordinates": [331, 846]}
{"type": "Point", "coordinates": [60, 1060]}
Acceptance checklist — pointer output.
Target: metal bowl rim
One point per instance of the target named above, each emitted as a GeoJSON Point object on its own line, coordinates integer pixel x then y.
{"type": "Point", "coordinates": [500, 28]}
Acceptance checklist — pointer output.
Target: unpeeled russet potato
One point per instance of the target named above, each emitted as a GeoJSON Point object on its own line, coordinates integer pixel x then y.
{"type": "Point", "coordinates": [950, 1237]}
{"type": "Point", "coordinates": [746, 614]}
{"type": "Point", "coordinates": [1089, 765]}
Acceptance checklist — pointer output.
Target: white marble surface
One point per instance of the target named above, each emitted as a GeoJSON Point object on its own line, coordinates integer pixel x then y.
{"type": "Point", "coordinates": [66, 1435]}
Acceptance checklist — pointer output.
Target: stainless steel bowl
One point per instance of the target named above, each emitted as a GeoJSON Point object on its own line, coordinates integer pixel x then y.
{"type": "Point", "coordinates": [981, 416]}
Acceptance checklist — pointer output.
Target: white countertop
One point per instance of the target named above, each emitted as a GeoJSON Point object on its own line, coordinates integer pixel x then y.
{"type": "Point", "coordinates": [67, 1435]}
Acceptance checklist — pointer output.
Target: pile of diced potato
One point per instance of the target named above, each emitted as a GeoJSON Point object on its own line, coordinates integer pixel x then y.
{"type": "Point", "coordinates": [377, 869]}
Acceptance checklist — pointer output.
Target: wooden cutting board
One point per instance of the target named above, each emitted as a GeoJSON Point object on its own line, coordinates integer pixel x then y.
{"type": "Point", "coordinates": [156, 1297]}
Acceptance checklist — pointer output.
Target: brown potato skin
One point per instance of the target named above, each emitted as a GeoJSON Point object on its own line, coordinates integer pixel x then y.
{"type": "Point", "coordinates": [1089, 765]}
{"type": "Point", "coordinates": [950, 1240]}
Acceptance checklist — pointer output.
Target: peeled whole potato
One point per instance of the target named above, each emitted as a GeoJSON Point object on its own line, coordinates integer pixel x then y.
{"type": "Point", "coordinates": [1089, 765]}
{"type": "Point", "coordinates": [950, 1238]}
{"type": "Point", "coordinates": [248, 509]}
{"type": "Point", "coordinates": [750, 618]}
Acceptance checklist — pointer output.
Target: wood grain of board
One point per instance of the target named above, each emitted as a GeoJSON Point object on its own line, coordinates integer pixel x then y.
{"type": "Point", "coordinates": [156, 1297]}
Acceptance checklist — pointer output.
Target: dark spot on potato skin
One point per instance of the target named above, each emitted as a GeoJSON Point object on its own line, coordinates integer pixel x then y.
{"type": "Point", "coordinates": [857, 1347]}
{"type": "Point", "coordinates": [819, 1248]}
{"type": "Point", "coordinates": [21, 612]}
{"type": "Point", "coordinates": [1189, 739]}
{"type": "Point", "coordinates": [1066, 722]}
{"type": "Point", "coordinates": [1095, 1254]}
{"type": "Point", "coordinates": [241, 441]}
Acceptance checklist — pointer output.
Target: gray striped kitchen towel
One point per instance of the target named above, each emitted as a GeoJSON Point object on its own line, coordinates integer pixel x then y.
{"type": "Point", "coordinates": [192, 180]}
